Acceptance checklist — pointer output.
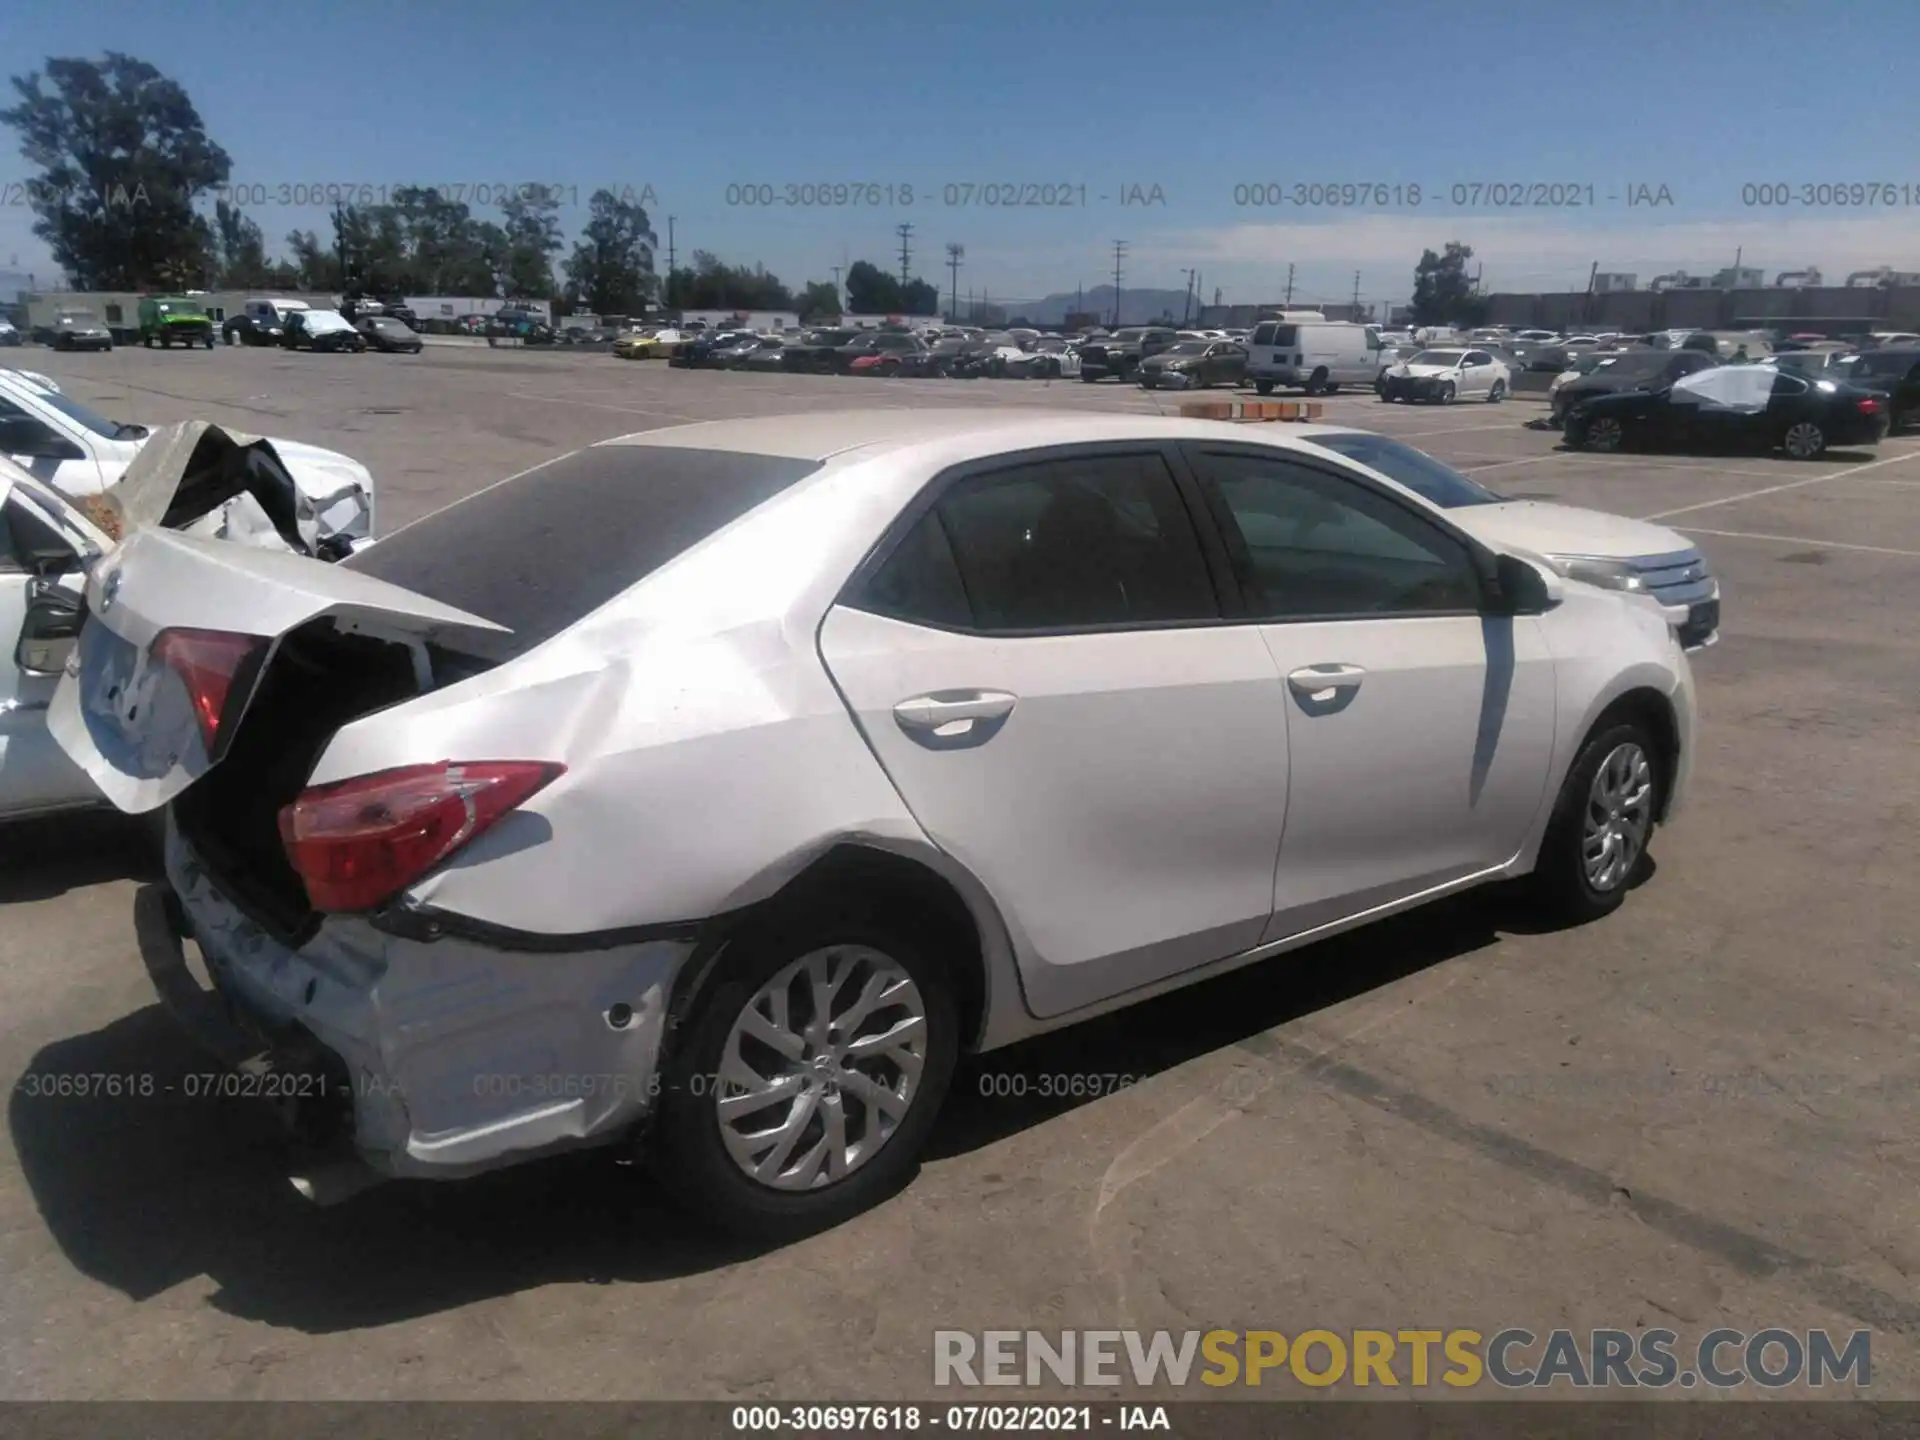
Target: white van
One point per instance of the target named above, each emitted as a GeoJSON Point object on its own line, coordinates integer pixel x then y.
{"type": "Point", "coordinates": [273, 312]}
{"type": "Point", "coordinates": [1316, 355]}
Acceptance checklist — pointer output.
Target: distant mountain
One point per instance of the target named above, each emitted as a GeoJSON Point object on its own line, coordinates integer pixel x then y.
{"type": "Point", "coordinates": [1137, 307]}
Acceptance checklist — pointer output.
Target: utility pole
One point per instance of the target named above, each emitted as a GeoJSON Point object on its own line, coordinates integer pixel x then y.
{"type": "Point", "coordinates": [1356, 295]}
{"type": "Point", "coordinates": [905, 231]}
{"type": "Point", "coordinates": [669, 295]}
{"type": "Point", "coordinates": [1186, 303]}
{"type": "Point", "coordinates": [1289, 299]}
{"type": "Point", "coordinates": [1119, 254]}
{"type": "Point", "coordinates": [838, 298]}
{"type": "Point", "coordinates": [955, 253]}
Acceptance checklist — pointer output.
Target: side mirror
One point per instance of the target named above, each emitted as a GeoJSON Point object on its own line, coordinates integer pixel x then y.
{"type": "Point", "coordinates": [50, 631]}
{"type": "Point", "coordinates": [1522, 588]}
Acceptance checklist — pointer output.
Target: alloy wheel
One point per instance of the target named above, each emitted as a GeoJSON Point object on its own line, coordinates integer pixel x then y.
{"type": "Point", "coordinates": [1619, 815]}
{"type": "Point", "coordinates": [1604, 434]}
{"type": "Point", "coordinates": [1805, 440]}
{"type": "Point", "coordinates": [821, 1067]}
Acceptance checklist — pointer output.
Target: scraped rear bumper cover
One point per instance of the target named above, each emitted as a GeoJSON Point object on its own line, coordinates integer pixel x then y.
{"type": "Point", "coordinates": [455, 1058]}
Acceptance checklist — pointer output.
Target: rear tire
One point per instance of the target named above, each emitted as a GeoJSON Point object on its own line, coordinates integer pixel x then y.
{"type": "Point", "coordinates": [1570, 883]}
{"type": "Point", "coordinates": [1496, 392]}
{"type": "Point", "coordinates": [690, 1153]}
{"type": "Point", "coordinates": [1804, 441]}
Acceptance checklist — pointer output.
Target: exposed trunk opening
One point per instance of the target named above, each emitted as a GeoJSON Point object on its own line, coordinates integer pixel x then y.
{"type": "Point", "coordinates": [318, 680]}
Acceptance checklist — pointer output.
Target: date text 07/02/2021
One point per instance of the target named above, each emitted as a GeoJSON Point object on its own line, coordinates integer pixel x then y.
{"type": "Point", "coordinates": [1456, 195]}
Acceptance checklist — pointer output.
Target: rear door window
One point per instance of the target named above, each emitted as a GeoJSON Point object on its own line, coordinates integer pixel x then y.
{"type": "Point", "coordinates": [1076, 542]}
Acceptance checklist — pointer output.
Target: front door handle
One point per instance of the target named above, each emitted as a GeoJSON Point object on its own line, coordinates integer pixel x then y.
{"type": "Point", "coordinates": [946, 707]}
{"type": "Point", "coordinates": [1319, 682]}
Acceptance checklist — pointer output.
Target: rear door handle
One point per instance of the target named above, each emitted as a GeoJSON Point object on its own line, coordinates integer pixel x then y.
{"type": "Point", "coordinates": [1318, 681]}
{"type": "Point", "coordinates": [945, 707]}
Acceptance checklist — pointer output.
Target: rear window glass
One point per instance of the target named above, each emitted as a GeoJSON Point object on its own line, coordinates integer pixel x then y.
{"type": "Point", "coordinates": [1276, 335]}
{"type": "Point", "coordinates": [540, 551]}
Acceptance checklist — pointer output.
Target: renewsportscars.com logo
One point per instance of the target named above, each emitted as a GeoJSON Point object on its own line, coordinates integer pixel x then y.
{"type": "Point", "coordinates": [1512, 1358]}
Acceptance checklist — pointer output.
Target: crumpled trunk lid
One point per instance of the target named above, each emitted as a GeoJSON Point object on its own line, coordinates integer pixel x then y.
{"type": "Point", "coordinates": [128, 719]}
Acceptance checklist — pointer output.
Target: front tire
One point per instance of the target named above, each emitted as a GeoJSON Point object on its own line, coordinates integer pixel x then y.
{"type": "Point", "coordinates": [1265, 387]}
{"type": "Point", "coordinates": [1317, 382]}
{"type": "Point", "coordinates": [1448, 393]}
{"type": "Point", "coordinates": [827, 1046]}
{"type": "Point", "coordinates": [1596, 841]}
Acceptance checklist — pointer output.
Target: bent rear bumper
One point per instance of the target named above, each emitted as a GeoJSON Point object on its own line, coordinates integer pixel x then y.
{"type": "Point", "coordinates": [450, 1057]}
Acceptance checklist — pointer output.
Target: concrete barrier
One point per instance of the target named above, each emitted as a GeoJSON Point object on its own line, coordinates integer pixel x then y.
{"type": "Point", "coordinates": [1247, 411]}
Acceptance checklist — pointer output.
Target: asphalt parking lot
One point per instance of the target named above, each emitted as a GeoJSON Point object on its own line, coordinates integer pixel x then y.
{"type": "Point", "coordinates": [1698, 1112]}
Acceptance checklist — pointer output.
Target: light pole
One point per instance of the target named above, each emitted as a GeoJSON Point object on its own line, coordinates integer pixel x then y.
{"type": "Point", "coordinates": [955, 253]}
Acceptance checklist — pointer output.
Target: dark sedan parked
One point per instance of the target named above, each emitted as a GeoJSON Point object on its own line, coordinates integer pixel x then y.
{"type": "Point", "coordinates": [818, 350]}
{"type": "Point", "coordinates": [704, 350]}
{"type": "Point", "coordinates": [383, 332]}
{"type": "Point", "coordinates": [1732, 407]}
{"type": "Point", "coordinates": [1628, 370]}
{"type": "Point", "coordinates": [244, 329]}
{"type": "Point", "coordinates": [1194, 364]}
{"type": "Point", "coordinates": [80, 330]}
{"type": "Point", "coordinates": [1895, 372]}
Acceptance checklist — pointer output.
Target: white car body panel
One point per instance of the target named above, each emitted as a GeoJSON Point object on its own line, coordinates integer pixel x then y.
{"type": "Point", "coordinates": [1451, 795]}
{"type": "Point", "coordinates": [36, 775]}
{"type": "Point", "coordinates": [1120, 853]}
{"type": "Point", "coordinates": [1158, 804]}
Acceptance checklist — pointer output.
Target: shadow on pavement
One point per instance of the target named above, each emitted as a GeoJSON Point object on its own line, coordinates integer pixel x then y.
{"type": "Point", "coordinates": [143, 1192]}
{"type": "Point", "coordinates": [40, 859]}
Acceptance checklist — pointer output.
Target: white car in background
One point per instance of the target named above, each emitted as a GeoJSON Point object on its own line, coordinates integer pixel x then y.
{"type": "Point", "coordinates": [80, 452]}
{"type": "Point", "coordinates": [828, 748]}
{"type": "Point", "coordinates": [1445, 376]}
{"type": "Point", "coordinates": [1611, 551]}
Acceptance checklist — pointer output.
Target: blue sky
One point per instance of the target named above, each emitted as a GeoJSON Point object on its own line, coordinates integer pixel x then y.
{"type": "Point", "coordinates": [691, 98]}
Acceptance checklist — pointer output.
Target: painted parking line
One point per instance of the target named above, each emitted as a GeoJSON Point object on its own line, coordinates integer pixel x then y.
{"type": "Point", "coordinates": [1456, 430]}
{"type": "Point", "coordinates": [1801, 540]}
{"type": "Point", "coordinates": [1503, 464]}
{"type": "Point", "coordinates": [1789, 485]}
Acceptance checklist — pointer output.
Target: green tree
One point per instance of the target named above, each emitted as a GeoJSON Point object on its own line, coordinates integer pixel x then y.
{"type": "Point", "coordinates": [241, 249]}
{"type": "Point", "coordinates": [532, 235]}
{"type": "Point", "coordinates": [611, 269]}
{"type": "Point", "coordinates": [314, 266]}
{"type": "Point", "coordinates": [819, 301]}
{"type": "Point", "coordinates": [122, 156]}
{"type": "Point", "coordinates": [1442, 293]}
{"type": "Point", "coordinates": [872, 291]}
{"type": "Point", "coordinates": [920, 298]}
{"type": "Point", "coordinates": [710, 284]}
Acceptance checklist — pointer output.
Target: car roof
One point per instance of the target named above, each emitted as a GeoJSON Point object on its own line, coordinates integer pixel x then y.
{"type": "Point", "coordinates": [863, 433]}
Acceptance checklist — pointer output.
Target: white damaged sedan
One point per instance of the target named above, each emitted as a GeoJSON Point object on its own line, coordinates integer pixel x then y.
{"type": "Point", "coordinates": [81, 452]}
{"type": "Point", "coordinates": [713, 789]}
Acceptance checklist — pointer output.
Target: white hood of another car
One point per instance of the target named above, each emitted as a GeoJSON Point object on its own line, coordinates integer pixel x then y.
{"type": "Point", "coordinates": [1549, 529]}
{"type": "Point", "coordinates": [1405, 368]}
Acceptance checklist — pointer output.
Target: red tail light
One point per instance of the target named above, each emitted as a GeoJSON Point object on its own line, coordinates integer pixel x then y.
{"type": "Point", "coordinates": [206, 662]}
{"type": "Point", "coordinates": [1869, 406]}
{"type": "Point", "coordinates": [361, 841]}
